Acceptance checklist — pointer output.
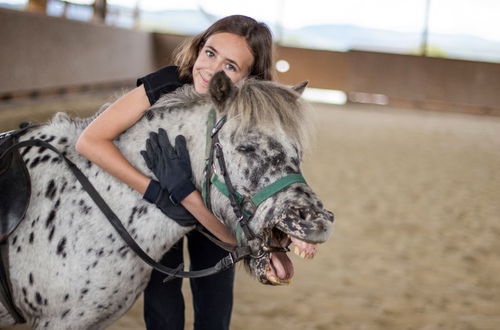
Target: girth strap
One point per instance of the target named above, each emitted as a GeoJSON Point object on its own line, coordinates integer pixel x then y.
{"type": "Point", "coordinates": [234, 255]}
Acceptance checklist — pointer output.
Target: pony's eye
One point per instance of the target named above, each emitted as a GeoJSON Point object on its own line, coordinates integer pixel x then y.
{"type": "Point", "coordinates": [246, 148]}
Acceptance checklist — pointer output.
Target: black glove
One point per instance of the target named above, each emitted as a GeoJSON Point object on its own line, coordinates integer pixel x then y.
{"type": "Point", "coordinates": [154, 194]}
{"type": "Point", "coordinates": [171, 166]}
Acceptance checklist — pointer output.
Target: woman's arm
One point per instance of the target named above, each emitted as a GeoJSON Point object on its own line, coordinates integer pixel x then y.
{"type": "Point", "coordinates": [96, 141]}
{"type": "Point", "coordinates": [194, 204]}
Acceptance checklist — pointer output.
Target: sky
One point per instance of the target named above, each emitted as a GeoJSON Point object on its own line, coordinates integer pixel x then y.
{"type": "Point", "coordinates": [474, 17]}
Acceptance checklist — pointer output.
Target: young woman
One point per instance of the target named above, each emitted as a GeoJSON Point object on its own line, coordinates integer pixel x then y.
{"type": "Point", "coordinates": [241, 47]}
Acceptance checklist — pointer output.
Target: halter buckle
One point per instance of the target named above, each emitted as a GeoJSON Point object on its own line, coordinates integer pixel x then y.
{"type": "Point", "coordinates": [218, 126]}
{"type": "Point", "coordinates": [214, 169]}
{"type": "Point", "coordinates": [248, 205]}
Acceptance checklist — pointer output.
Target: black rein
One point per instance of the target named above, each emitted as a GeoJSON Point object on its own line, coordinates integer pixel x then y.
{"type": "Point", "coordinates": [235, 253]}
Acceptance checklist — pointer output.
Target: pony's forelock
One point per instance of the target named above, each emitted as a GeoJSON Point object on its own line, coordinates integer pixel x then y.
{"type": "Point", "coordinates": [271, 105]}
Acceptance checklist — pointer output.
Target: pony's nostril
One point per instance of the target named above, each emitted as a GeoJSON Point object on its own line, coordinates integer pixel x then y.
{"type": "Point", "coordinates": [329, 216]}
{"type": "Point", "coordinates": [303, 214]}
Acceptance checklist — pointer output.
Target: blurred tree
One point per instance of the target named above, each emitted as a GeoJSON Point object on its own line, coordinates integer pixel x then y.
{"type": "Point", "coordinates": [39, 6]}
{"type": "Point", "coordinates": [429, 50]}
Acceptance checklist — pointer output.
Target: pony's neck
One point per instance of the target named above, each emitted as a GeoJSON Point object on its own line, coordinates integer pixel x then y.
{"type": "Point", "coordinates": [192, 123]}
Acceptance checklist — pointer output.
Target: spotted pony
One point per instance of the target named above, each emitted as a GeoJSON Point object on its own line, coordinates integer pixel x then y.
{"type": "Point", "coordinates": [68, 267]}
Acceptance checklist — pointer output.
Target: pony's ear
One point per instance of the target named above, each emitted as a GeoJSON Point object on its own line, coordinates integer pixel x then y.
{"type": "Point", "coordinates": [221, 89]}
{"type": "Point", "coordinates": [300, 87]}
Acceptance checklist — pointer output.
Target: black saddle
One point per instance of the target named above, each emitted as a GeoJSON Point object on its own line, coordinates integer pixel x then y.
{"type": "Point", "coordinates": [15, 192]}
{"type": "Point", "coordinates": [15, 184]}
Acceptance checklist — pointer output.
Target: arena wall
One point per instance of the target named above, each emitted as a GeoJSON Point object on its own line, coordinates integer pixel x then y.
{"type": "Point", "coordinates": [40, 53]}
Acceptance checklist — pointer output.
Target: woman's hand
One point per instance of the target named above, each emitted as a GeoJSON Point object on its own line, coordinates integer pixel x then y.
{"type": "Point", "coordinates": [160, 197]}
{"type": "Point", "coordinates": [170, 165]}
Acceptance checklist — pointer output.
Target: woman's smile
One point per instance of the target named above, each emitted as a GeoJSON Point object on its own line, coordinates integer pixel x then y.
{"type": "Point", "coordinates": [223, 51]}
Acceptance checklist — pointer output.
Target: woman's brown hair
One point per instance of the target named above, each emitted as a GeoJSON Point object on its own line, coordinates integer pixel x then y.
{"type": "Point", "coordinates": [257, 35]}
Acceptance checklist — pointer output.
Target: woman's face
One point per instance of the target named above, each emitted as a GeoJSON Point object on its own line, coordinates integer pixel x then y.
{"type": "Point", "coordinates": [222, 51]}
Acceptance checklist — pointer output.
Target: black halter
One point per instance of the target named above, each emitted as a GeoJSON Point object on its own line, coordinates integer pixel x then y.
{"type": "Point", "coordinates": [244, 207]}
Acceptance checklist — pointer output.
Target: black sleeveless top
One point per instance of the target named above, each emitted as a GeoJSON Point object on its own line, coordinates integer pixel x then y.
{"type": "Point", "coordinates": [162, 81]}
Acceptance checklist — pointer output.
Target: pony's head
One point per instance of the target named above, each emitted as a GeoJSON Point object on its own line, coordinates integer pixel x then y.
{"type": "Point", "coordinates": [262, 143]}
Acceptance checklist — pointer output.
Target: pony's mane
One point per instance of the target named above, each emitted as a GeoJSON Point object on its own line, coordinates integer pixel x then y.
{"type": "Point", "coordinates": [181, 98]}
{"type": "Point", "coordinates": [257, 103]}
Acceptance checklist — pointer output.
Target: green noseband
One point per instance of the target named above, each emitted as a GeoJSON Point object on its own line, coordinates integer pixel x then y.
{"type": "Point", "coordinates": [265, 192]}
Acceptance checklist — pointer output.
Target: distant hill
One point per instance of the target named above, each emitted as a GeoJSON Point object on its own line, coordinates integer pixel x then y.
{"type": "Point", "coordinates": [346, 37]}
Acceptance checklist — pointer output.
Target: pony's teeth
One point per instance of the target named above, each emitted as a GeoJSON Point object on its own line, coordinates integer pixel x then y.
{"type": "Point", "coordinates": [275, 280]}
{"type": "Point", "coordinates": [272, 278]}
{"type": "Point", "coordinates": [304, 253]}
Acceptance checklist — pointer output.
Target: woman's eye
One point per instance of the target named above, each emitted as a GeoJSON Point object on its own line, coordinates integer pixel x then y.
{"type": "Point", "coordinates": [209, 53]}
{"type": "Point", "coordinates": [246, 149]}
{"type": "Point", "coordinates": [230, 67]}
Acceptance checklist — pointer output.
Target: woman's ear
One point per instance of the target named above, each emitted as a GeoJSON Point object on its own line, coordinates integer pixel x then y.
{"type": "Point", "coordinates": [221, 90]}
{"type": "Point", "coordinates": [300, 87]}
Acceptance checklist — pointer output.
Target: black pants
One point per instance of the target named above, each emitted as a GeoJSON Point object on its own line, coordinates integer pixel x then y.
{"type": "Point", "coordinates": [212, 295]}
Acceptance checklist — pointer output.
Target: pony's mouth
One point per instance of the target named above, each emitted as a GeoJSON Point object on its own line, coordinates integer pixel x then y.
{"type": "Point", "coordinates": [279, 269]}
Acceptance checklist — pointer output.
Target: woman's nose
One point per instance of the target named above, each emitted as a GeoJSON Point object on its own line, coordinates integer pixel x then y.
{"type": "Point", "coordinates": [216, 66]}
